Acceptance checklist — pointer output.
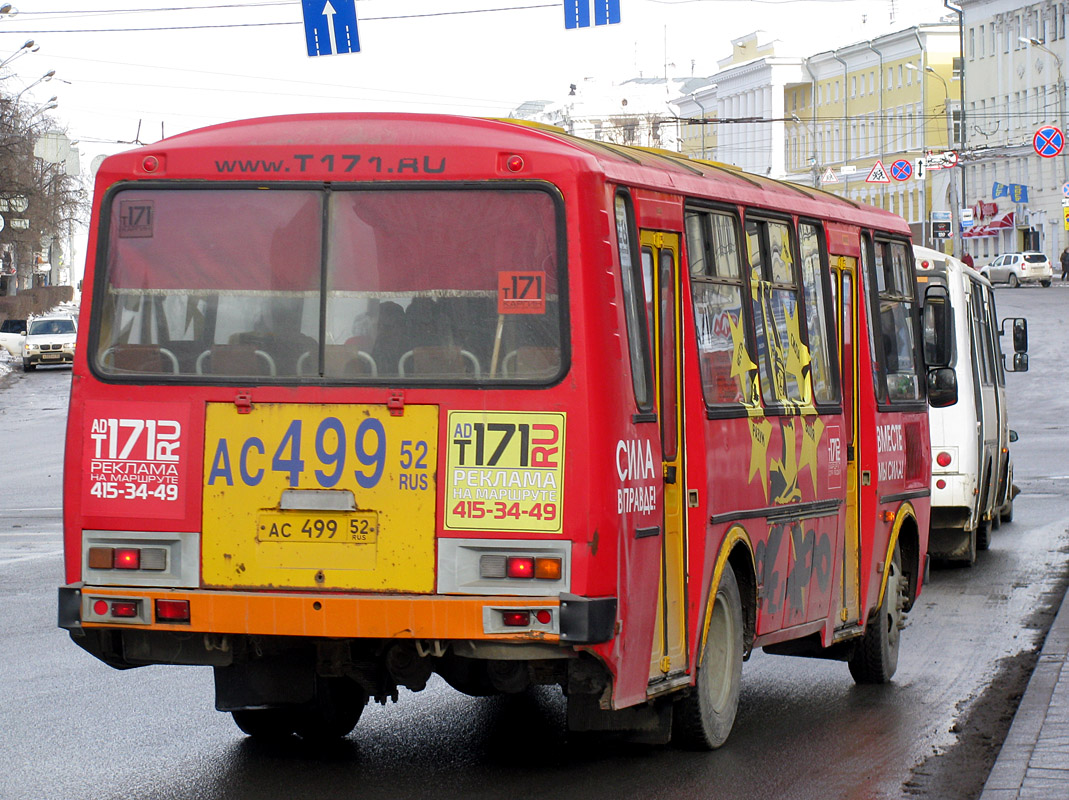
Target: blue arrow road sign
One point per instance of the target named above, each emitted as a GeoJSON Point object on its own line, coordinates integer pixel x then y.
{"type": "Point", "coordinates": [577, 13]}
{"type": "Point", "coordinates": [330, 27]}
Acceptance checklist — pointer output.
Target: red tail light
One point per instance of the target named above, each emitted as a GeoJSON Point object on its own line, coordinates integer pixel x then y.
{"type": "Point", "coordinates": [943, 459]}
{"type": "Point", "coordinates": [516, 619]}
{"type": "Point", "coordinates": [124, 608]}
{"type": "Point", "coordinates": [172, 610]}
{"type": "Point", "coordinates": [520, 567]}
{"type": "Point", "coordinates": [127, 558]}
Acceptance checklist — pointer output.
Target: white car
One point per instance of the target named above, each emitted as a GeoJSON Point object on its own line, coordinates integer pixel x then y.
{"type": "Point", "coordinates": [1018, 268]}
{"type": "Point", "coordinates": [49, 340]}
{"type": "Point", "coordinates": [12, 332]}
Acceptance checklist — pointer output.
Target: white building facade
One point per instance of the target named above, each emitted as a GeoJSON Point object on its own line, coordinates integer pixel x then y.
{"type": "Point", "coordinates": [1015, 87]}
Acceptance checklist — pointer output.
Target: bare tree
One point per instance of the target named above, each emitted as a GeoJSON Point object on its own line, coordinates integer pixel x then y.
{"type": "Point", "coordinates": [39, 200]}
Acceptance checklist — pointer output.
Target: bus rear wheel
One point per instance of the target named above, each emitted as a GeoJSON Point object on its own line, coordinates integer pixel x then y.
{"type": "Point", "coordinates": [876, 657]}
{"type": "Point", "coordinates": [703, 718]}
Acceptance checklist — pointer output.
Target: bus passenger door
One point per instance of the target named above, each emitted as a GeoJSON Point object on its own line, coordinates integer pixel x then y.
{"type": "Point", "coordinates": [844, 273]}
{"type": "Point", "coordinates": [660, 270]}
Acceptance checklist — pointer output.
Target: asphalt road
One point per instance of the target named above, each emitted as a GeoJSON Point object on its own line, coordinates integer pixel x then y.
{"type": "Point", "coordinates": [73, 728]}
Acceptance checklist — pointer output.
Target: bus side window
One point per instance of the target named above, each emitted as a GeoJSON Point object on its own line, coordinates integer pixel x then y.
{"type": "Point", "coordinates": [638, 344]}
{"type": "Point", "coordinates": [716, 289]}
{"type": "Point", "coordinates": [893, 323]}
{"type": "Point", "coordinates": [776, 311]}
{"type": "Point", "coordinates": [814, 260]}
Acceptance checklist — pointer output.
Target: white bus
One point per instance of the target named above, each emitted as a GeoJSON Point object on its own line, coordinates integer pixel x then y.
{"type": "Point", "coordinates": [972, 469]}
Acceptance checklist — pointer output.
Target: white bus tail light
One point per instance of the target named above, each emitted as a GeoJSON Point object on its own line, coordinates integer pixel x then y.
{"type": "Point", "coordinates": [943, 459]}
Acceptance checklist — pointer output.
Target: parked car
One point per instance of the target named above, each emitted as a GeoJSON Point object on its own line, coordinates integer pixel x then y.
{"type": "Point", "coordinates": [1018, 268]}
{"type": "Point", "coordinates": [12, 332]}
{"type": "Point", "coordinates": [49, 340]}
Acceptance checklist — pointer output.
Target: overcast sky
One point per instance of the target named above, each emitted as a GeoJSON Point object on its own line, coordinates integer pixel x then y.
{"type": "Point", "coordinates": [214, 60]}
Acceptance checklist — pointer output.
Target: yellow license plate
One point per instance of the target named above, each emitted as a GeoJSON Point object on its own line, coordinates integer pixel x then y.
{"type": "Point", "coordinates": [291, 528]}
{"type": "Point", "coordinates": [320, 496]}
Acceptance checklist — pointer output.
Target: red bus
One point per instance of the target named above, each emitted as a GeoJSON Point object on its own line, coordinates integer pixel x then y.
{"type": "Point", "coordinates": [360, 398]}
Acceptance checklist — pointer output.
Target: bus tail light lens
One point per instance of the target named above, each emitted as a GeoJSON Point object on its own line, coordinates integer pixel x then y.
{"type": "Point", "coordinates": [516, 619]}
{"type": "Point", "coordinates": [172, 610]}
{"type": "Point", "coordinates": [101, 557]}
{"type": "Point", "coordinates": [940, 484]}
{"type": "Point", "coordinates": [127, 558]}
{"type": "Point", "coordinates": [492, 566]}
{"type": "Point", "coordinates": [124, 608]}
{"type": "Point", "coordinates": [548, 569]}
{"type": "Point", "coordinates": [943, 459]}
{"type": "Point", "coordinates": [520, 567]}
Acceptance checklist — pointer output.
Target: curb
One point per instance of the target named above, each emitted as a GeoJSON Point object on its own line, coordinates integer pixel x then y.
{"type": "Point", "coordinates": [1034, 759]}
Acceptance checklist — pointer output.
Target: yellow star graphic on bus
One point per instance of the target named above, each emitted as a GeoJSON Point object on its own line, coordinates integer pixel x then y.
{"type": "Point", "coordinates": [797, 354]}
{"type": "Point", "coordinates": [810, 439]}
{"type": "Point", "coordinates": [760, 432]}
{"type": "Point", "coordinates": [787, 467]}
{"type": "Point", "coordinates": [741, 364]}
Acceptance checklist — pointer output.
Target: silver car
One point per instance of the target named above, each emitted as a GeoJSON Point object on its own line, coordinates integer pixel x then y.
{"type": "Point", "coordinates": [1018, 268]}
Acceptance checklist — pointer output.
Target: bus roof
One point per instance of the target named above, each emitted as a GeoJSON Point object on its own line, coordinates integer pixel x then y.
{"type": "Point", "coordinates": [649, 168]}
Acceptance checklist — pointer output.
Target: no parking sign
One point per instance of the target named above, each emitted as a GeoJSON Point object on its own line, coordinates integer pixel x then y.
{"type": "Point", "coordinates": [1048, 141]}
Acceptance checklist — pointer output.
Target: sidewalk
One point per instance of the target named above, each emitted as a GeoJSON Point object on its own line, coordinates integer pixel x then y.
{"type": "Point", "coordinates": [1034, 761]}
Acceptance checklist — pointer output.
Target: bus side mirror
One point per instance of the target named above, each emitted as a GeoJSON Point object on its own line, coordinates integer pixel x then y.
{"type": "Point", "coordinates": [1013, 435]}
{"type": "Point", "coordinates": [938, 327]}
{"type": "Point", "coordinates": [1020, 335]}
{"type": "Point", "coordinates": [942, 387]}
{"type": "Point", "coordinates": [1020, 362]}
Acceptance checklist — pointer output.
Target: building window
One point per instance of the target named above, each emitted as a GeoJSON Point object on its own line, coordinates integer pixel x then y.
{"type": "Point", "coordinates": [981, 37]}
{"type": "Point", "coordinates": [972, 44]}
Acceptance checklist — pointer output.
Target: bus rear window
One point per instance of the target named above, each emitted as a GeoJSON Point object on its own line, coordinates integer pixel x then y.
{"type": "Point", "coordinates": [399, 285]}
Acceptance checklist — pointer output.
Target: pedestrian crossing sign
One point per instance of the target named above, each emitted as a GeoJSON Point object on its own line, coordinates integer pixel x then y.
{"type": "Point", "coordinates": [878, 174]}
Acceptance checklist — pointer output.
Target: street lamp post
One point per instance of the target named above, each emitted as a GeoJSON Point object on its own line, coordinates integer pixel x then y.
{"type": "Point", "coordinates": [29, 46]}
{"type": "Point", "coordinates": [814, 166]}
{"type": "Point", "coordinates": [43, 79]}
{"type": "Point", "coordinates": [955, 222]}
